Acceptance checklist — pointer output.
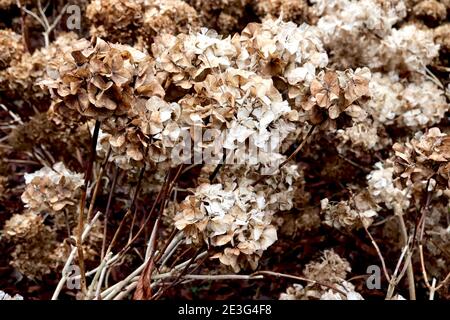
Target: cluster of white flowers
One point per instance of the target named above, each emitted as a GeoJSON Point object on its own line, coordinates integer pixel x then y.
{"type": "Point", "coordinates": [409, 47]}
{"type": "Point", "coordinates": [356, 17]}
{"type": "Point", "coordinates": [363, 32]}
{"type": "Point", "coordinates": [51, 189]}
{"type": "Point", "coordinates": [234, 220]}
{"type": "Point", "coordinates": [425, 104]}
{"type": "Point", "coordinates": [416, 104]}
{"type": "Point", "coordinates": [362, 134]}
{"type": "Point", "coordinates": [383, 190]}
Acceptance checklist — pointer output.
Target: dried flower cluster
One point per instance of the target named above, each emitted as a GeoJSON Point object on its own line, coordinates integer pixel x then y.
{"type": "Point", "coordinates": [331, 270]}
{"type": "Point", "coordinates": [124, 20]}
{"type": "Point", "coordinates": [235, 218]}
{"type": "Point", "coordinates": [168, 138]}
{"type": "Point", "coordinates": [22, 77]}
{"type": "Point", "coordinates": [51, 189]}
{"type": "Point", "coordinates": [33, 243]}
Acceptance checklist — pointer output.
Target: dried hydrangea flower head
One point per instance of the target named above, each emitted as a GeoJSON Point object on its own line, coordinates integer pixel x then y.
{"type": "Point", "coordinates": [410, 48]}
{"type": "Point", "coordinates": [335, 92]}
{"type": "Point", "coordinates": [331, 269]}
{"type": "Point", "coordinates": [12, 47]}
{"type": "Point", "coordinates": [284, 49]}
{"type": "Point", "coordinates": [282, 191]}
{"type": "Point", "coordinates": [359, 210]}
{"type": "Point", "coordinates": [233, 220]}
{"type": "Point", "coordinates": [51, 189]}
{"type": "Point", "coordinates": [416, 104]}
{"type": "Point", "coordinates": [148, 133]}
{"type": "Point", "coordinates": [385, 190]}
{"type": "Point", "coordinates": [420, 159]}
{"type": "Point", "coordinates": [33, 244]}
{"type": "Point", "coordinates": [169, 16]}
{"type": "Point", "coordinates": [363, 33]}
{"type": "Point", "coordinates": [21, 80]}
{"type": "Point", "coordinates": [116, 20]}
{"type": "Point", "coordinates": [351, 29]}
{"type": "Point", "coordinates": [96, 80]}
{"type": "Point", "coordinates": [442, 36]}
{"type": "Point", "coordinates": [430, 10]}
{"type": "Point", "coordinates": [22, 226]}
{"type": "Point", "coordinates": [223, 16]}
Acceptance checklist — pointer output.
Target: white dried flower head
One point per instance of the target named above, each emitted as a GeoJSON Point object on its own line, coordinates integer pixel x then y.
{"type": "Point", "coordinates": [352, 29]}
{"type": "Point", "coordinates": [51, 189]}
{"type": "Point", "coordinates": [186, 57]}
{"type": "Point", "coordinates": [383, 189]}
{"type": "Point", "coordinates": [27, 71]}
{"type": "Point", "coordinates": [385, 103]}
{"type": "Point", "coordinates": [232, 219]}
{"type": "Point", "coordinates": [361, 134]}
{"type": "Point", "coordinates": [410, 47]}
{"type": "Point", "coordinates": [148, 132]}
{"type": "Point", "coordinates": [415, 104]}
{"type": "Point", "coordinates": [356, 17]}
{"type": "Point", "coordinates": [331, 269]}
{"type": "Point", "coordinates": [425, 104]}
{"type": "Point", "coordinates": [285, 188]}
{"type": "Point", "coordinates": [299, 292]}
{"type": "Point", "coordinates": [285, 49]}
{"type": "Point", "coordinates": [5, 296]}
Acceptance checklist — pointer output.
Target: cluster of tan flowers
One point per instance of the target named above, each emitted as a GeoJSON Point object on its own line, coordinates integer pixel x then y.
{"type": "Point", "coordinates": [26, 71]}
{"type": "Point", "coordinates": [423, 162]}
{"type": "Point", "coordinates": [233, 218]}
{"type": "Point", "coordinates": [33, 243]}
{"type": "Point", "coordinates": [359, 210]}
{"type": "Point", "coordinates": [331, 270]}
{"type": "Point", "coordinates": [125, 20]}
{"type": "Point", "coordinates": [349, 97]}
{"type": "Point", "coordinates": [416, 104]}
{"type": "Point", "coordinates": [431, 9]}
{"type": "Point", "coordinates": [13, 47]}
{"type": "Point", "coordinates": [289, 10]}
{"type": "Point", "coordinates": [51, 189]}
